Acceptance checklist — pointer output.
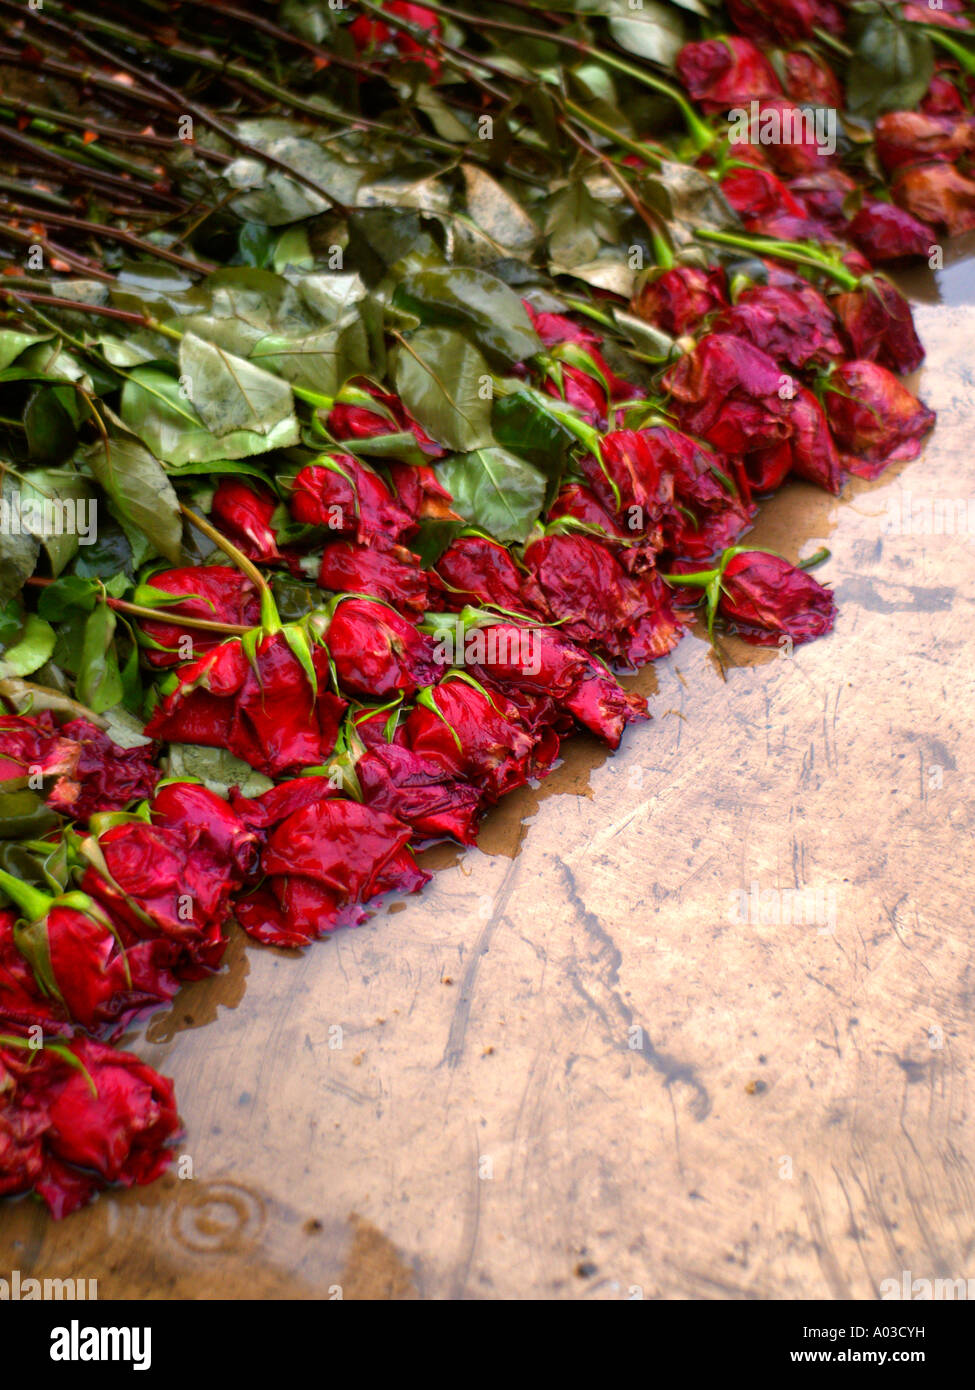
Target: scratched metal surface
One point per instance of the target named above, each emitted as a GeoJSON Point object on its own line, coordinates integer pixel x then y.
{"type": "Point", "coordinates": [566, 1069]}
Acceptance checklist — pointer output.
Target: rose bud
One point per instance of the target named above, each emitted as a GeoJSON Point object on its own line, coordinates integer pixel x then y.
{"type": "Point", "coordinates": [320, 863]}
{"type": "Point", "coordinates": [32, 744]}
{"type": "Point", "coordinates": [79, 958]}
{"type": "Point", "coordinates": [724, 72]}
{"type": "Point", "coordinates": [173, 881]}
{"type": "Point", "coordinates": [880, 326]}
{"type": "Point", "coordinates": [824, 193]}
{"type": "Point", "coordinates": [216, 593]}
{"type": "Point", "coordinates": [629, 481]}
{"type": "Point", "coordinates": [809, 82]}
{"type": "Point", "coordinates": [677, 300]}
{"type": "Point", "coordinates": [581, 374]}
{"type": "Point", "coordinates": [476, 570]}
{"type": "Point", "coordinates": [759, 196]}
{"type": "Point", "coordinates": [420, 792]}
{"type": "Point", "coordinates": [209, 821]}
{"type": "Point", "coordinates": [793, 326]}
{"type": "Point", "coordinates": [775, 21]}
{"type": "Point", "coordinates": [732, 394]}
{"type": "Point", "coordinates": [794, 149]}
{"type": "Point", "coordinates": [943, 97]}
{"type": "Point", "coordinates": [573, 679]}
{"type": "Point", "coordinates": [911, 137]}
{"type": "Point", "coordinates": [377, 653]}
{"type": "Point", "coordinates": [107, 777]}
{"type": "Point", "coordinates": [473, 735]}
{"type": "Point", "coordinates": [77, 1115]}
{"type": "Point", "coordinates": [884, 232]}
{"type": "Point", "coordinates": [367, 33]}
{"type": "Point", "coordinates": [765, 597]}
{"type": "Point", "coordinates": [581, 582]}
{"type": "Point", "coordinates": [243, 512]}
{"type": "Point", "coordinates": [349, 499]}
{"type": "Point", "coordinates": [419, 492]}
{"type": "Point", "coordinates": [582, 504]}
{"type": "Point", "coordinates": [264, 710]}
{"type": "Point", "coordinates": [23, 1003]}
{"type": "Point", "coordinates": [875, 420]}
{"type": "Point", "coordinates": [374, 414]}
{"type": "Point", "coordinates": [939, 194]}
{"type": "Point", "coordinates": [260, 813]}
{"type": "Point", "coordinates": [393, 576]}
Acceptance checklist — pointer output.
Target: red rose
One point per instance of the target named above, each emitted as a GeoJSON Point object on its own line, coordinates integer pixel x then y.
{"type": "Point", "coordinates": [476, 570]}
{"type": "Point", "coordinates": [350, 500]}
{"type": "Point", "coordinates": [107, 777]}
{"type": "Point", "coordinates": [884, 232]}
{"type": "Point", "coordinates": [676, 300]}
{"type": "Point", "coordinates": [243, 511]}
{"type": "Point", "coordinates": [418, 491]}
{"type": "Point", "coordinates": [33, 744]}
{"type": "Point", "coordinates": [726, 71]}
{"type": "Point", "coordinates": [264, 711]}
{"type": "Point", "coordinates": [78, 1115]}
{"type": "Point", "coordinates": [759, 196]}
{"type": "Point", "coordinates": [874, 418]}
{"type": "Point", "coordinates": [938, 194]}
{"type": "Point", "coordinates": [368, 33]}
{"type": "Point", "coordinates": [629, 480]}
{"type": "Point", "coordinates": [217, 593]}
{"type": "Point", "coordinates": [789, 20]}
{"type": "Point", "coordinates": [376, 652]}
{"type": "Point", "coordinates": [390, 416]}
{"type": "Point", "coordinates": [809, 82]}
{"type": "Point", "coordinates": [911, 137]}
{"type": "Point", "coordinates": [765, 597]}
{"type": "Point", "coordinates": [880, 326]}
{"type": "Point", "coordinates": [581, 581]}
{"type": "Point", "coordinates": [23, 1003]}
{"type": "Point", "coordinates": [357, 569]}
{"type": "Point", "coordinates": [476, 736]}
{"type": "Point", "coordinates": [795, 326]}
{"type": "Point", "coordinates": [419, 791]}
{"type": "Point", "coordinates": [321, 863]}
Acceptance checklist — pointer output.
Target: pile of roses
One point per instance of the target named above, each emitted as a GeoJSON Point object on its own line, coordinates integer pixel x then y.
{"type": "Point", "coordinates": [375, 743]}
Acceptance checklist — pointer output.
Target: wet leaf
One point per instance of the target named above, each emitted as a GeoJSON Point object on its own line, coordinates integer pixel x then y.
{"type": "Point", "coordinates": [442, 379]}
{"type": "Point", "coordinates": [99, 682]}
{"type": "Point", "coordinates": [168, 423]}
{"type": "Point", "coordinates": [460, 296]}
{"type": "Point", "coordinates": [231, 393]}
{"type": "Point", "coordinates": [33, 647]}
{"type": "Point", "coordinates": [139, 492]}
{"type": "Point", "coordinates": [495, 490]}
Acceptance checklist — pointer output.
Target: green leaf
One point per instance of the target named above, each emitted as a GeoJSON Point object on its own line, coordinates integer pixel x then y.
{"type": "Point", "coordinates": [12, 344]}
{"type": "Point", "coordinates": [890, 70]}
{"type": "Point", "coordinates": [99, 683]}
{"type": "Point", "coordinates": [34, 646]}
{"type": "Point", "coordinates": [60, 489]}
{"type": "Point", "coordinates": [154, 409]}
{"type": "Point", "coordinates": [443, 382]}
{"type": "Point", "coordinates": [650, 30]}
{"type": "Point", "coordinates": [495, 490]}
{"type": "Point", "coordinates": [269, 195]}
{"type": "Point", "coordinates": [464, 297]}
{"type": "Point", "coordinates": [523, 427]}
{"type": "Point", "coordinates": [18, 548]}
{"type": "Point", "coordinates": [51, 429]}
{"type": "Point", "coordinates": [216, 769]}
{"type": "Point", "coordinates": [139, 492]}
{"type": "Point", "coordinates": [230, 393]}
{"type": "Point", "coordinates": [497, 213]}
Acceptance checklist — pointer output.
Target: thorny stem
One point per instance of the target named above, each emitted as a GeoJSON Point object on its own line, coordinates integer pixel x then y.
{"type": "Point", "coordinates": [270, 621]}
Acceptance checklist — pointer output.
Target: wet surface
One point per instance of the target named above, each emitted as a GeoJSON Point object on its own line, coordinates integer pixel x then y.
{"type": "Point", "coordinates": [611, 1053]}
